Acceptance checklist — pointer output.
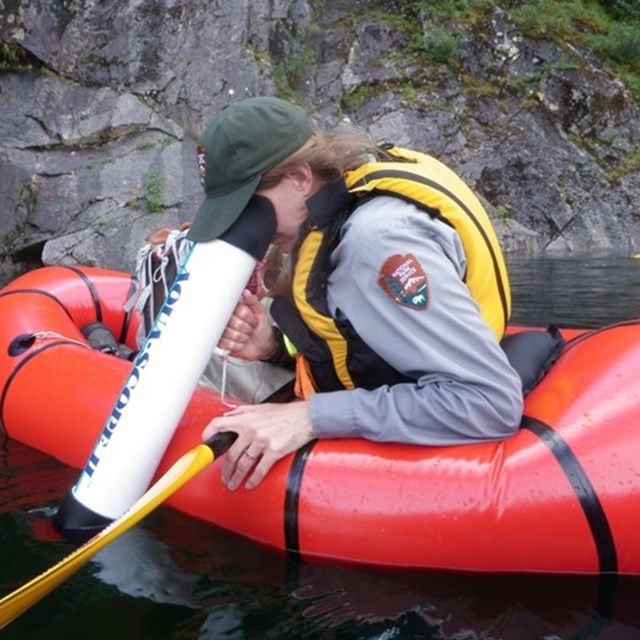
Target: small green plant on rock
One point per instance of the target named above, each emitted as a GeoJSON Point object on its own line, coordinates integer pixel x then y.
{"type": "Point", "coordinates": [154, 186]}
{"type": "Point", "coordinates": [503, 211]}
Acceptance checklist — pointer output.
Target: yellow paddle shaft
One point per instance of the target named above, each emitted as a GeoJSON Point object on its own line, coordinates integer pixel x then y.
{"type": "Point", "coordinates": [185, 468]}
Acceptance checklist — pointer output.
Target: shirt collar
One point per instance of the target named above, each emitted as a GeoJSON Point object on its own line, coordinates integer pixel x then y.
{"type": "Point", "coordinates": [328, 202]}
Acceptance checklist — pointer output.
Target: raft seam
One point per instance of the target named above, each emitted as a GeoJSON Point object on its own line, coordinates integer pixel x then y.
{"type": "Point", "coordinates": [14, 372]}
{"type": "Point", "coordinates": [39, 292]}
{"type": "Point", "coordinates": [93, 292]}
{"type": "Point", "coordinates": [594, 332]}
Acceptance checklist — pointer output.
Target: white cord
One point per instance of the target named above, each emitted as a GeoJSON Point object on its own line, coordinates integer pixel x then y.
{"type": "Point", "coordinates": [224, 354]}
{"type": "Point", "coordinates": [44, 335]}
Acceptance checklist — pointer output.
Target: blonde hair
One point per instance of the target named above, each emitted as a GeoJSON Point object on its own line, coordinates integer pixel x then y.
{"type": "Point", "coordinates": [329, 154]}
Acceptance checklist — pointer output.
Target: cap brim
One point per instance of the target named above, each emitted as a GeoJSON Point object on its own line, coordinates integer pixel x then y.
{"type": "Point", "coordinates": [218, 213]}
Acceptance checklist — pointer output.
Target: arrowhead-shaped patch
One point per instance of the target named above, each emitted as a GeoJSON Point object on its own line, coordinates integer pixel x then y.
{"type": "Point", "coordinates": [403, 279]}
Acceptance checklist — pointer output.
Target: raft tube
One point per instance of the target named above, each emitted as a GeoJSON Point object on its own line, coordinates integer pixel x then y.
{"type": "Point", "coordinates": [560, 496]}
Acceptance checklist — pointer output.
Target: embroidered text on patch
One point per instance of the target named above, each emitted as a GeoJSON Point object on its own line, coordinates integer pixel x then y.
{"type": "Point", "coordinates": [403, 279]}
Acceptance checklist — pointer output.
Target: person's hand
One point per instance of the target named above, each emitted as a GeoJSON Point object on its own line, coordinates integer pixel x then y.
{"type": "Point", "coordinates": [159, 236]}
{"type": "Point", "coordinates": [266, 433]}
{"type": "Point", "coordinates": [248, 333]}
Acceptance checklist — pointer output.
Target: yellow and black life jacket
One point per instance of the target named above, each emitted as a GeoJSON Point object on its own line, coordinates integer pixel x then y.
{"type": "Point", "coordinates": [334, 357]}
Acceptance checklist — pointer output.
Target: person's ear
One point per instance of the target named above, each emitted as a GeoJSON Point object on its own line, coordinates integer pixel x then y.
{"type": "Point", "coordinates": [302, 178]}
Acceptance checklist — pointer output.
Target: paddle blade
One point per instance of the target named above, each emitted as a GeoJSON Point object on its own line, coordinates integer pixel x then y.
{"type": "Point", "coordinates": [185, 468]}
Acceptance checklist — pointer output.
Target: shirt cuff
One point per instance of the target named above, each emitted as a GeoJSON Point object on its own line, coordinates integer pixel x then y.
{"type": "Point", "coordinates": [332, 415]}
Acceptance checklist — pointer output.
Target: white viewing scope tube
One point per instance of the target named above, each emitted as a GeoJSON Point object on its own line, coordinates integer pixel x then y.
{"type": "Point", "coordinates": [165, 373]}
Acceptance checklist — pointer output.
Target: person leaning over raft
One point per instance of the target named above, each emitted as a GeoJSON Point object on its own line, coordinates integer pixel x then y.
{"type": "Point", "coordinates": [399, 299]}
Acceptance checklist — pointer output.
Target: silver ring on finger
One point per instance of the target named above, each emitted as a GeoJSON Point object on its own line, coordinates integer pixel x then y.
{"type": "Point", "coordinates": [249, 455]}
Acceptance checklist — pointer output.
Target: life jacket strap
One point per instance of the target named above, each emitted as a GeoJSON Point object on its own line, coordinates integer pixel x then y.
{"type": "Point", "coordinates": [305, 385]}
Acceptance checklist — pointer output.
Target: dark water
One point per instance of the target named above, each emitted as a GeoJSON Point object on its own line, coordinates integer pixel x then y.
{"type": "Point", "coordinates": [174, 578]}
{"type": "Point", "coordinates": [575, 292]}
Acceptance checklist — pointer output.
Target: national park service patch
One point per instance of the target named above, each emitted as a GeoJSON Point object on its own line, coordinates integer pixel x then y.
{"type": "Point", "coordinates": [403, 279]}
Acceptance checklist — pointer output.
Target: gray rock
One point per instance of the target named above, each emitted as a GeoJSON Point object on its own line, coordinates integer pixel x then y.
{"type": "Point", "coordinates": [98, 126]}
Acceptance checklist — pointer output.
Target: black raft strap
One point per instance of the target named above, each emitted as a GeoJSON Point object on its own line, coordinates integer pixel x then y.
{"type": "Point", "coordinates": [584, 491]}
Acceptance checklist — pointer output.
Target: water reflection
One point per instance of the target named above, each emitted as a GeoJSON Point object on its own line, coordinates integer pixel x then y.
{"type": "Point", "coordinates": [316, 601]}
{"type": "Point", "coordinates": [245, 591]}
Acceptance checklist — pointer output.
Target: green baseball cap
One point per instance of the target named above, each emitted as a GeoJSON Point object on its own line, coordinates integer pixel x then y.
{"type": "Point", "coordinates": [238, 146]}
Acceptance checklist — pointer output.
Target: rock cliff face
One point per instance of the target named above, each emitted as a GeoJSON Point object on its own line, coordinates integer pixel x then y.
{"type": "Point", "coordinates": [103, 103]}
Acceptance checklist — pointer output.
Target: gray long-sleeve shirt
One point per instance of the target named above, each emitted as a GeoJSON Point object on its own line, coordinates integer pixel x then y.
{"type": "Point", "coordinates": [464, 389]}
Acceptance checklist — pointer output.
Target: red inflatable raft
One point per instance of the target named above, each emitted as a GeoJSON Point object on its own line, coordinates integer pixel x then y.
{"type": "Point", "coordinates": [561, 496]}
